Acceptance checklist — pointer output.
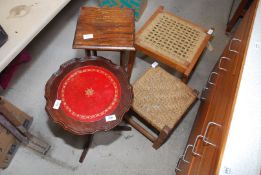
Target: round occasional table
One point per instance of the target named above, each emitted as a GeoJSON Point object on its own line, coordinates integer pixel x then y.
{"type": "Point", "coordinates": [88, 95]}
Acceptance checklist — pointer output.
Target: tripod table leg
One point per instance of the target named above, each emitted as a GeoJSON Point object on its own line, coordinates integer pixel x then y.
{"type": "Point", "coordinates": [122, 128]}
{"type": "Point", "coordinates": [86, 147]}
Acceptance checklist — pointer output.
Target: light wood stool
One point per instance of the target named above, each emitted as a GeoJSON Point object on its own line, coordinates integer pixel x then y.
{"type": "Point", "coordinates": [172, 41]}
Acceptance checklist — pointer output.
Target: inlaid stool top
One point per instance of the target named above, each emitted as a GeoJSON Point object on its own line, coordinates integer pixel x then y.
{"type": "Point", "coordinates": [105, 29]}
{"type": "Point", "coordinates": [83, 93]}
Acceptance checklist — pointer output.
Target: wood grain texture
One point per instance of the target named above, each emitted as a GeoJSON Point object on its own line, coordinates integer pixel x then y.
{"type": "Point", "coordinates": [218, 105]}
{"type": "Point", "coordinates": [112, 29]}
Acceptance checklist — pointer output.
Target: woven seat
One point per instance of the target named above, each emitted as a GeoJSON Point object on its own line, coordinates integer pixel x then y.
{"type": "Point", "coordinates": [161, 100]}
{"type": "Point", "coordinates": [172, 40]}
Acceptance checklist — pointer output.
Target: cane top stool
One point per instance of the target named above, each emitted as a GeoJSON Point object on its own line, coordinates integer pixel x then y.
{"type": "Point", "coordinates": [106, 29]}
{"type": "Point", "coordinates": [84, 92]}
{"type": "Point", "coordinates": [172, 41]}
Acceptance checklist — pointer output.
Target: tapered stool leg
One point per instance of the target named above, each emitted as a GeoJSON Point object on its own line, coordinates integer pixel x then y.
{"type": "Point", "coordinates": [122, 59]}
{"type": "Point", "coordinates": [87, 53]}
{"type": "Point", "coordinates": [94, 53]}
{"type": "Point", "coordinates": [132, 56]}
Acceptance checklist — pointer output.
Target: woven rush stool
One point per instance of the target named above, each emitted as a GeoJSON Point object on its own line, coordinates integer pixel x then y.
{"type": "Point", "coordinates": [106, 29]}
{"type": "Point", "coordinates": [88, 95]}
{"type": "Point", "coordinates": [160, 101]}
{"type": "Point", "coordinates": [172, 41]}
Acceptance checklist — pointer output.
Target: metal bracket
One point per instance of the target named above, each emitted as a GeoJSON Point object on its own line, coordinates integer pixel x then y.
{"type": "Point", "coordinates": [205, 140]}
{"type": "Point", "coordinates": [210, 77]}
{"type": "Point", "coordinates": [194, 146]}
{"type": "Point", "coordinates": [185, 153]}
{"type": "Point", "coordinates": [230, 44]}
{"type": "Point", "coordinates": [220, 61]}
{"type": "Point", "coordinates": [177, 166]}
{"type": "Point", "coordinates": [204, 89]}
{"type": "Point", "coordinates": [182, 157]}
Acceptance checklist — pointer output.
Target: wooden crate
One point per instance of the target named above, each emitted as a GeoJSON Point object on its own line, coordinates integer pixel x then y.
{"type": "Point", "coordinates": [8, 143]}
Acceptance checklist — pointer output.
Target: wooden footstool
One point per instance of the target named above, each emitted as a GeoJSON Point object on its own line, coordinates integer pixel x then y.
{"type": "Point", "coordinates": [173, 41]}
{"type": "Point", "coordinates": [106, 29]}
{"type": "Point", "coordinates": [160, 101]}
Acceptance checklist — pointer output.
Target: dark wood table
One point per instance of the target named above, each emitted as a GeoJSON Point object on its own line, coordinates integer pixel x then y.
{"type": "Point", "coordinates": [88, 95]}
{"type": "Point", "coordinates": [106, 29]}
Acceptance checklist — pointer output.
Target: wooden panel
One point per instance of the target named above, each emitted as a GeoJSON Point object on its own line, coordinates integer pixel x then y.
{"type": "Point", "coordinates": [218, 107]}
{"type": "Point", "coordinates": [247, 23]}
{"type": "Point", "coordinates": [200, 121]}
{"type": "Point", "coordinates": [216, 114]}
{"type": "Point", "coordinates": [224, 94]}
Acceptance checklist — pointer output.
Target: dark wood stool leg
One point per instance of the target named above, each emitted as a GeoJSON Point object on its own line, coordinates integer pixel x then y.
{"type": "Point", "coordinates": [90, 52]}
{"type": "Point", "coordinates": [185, 79]}
{"type": "Point", "coordinates": [86, 147]}
{"type": "Point", "coordinates": [122, 59]}
{"type": "Point", "coordinates": [162, 137]}
{"type": "Point", "coordinates": [94, 52]}
{"type": "Point", "coordinates": [131, 61]}
{"type": "Point", "coordinates": [87, 53]}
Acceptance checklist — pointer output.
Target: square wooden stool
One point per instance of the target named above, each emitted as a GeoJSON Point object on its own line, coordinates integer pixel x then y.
{"type": "Point", "coordinates": [160, 101]}
{"type": "Point", "coordinates": [106, 29]}
{"type": "Point", "coordinates": [172, 41]}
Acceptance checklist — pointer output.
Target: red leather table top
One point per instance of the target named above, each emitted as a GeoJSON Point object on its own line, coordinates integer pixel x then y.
{"type": "Point", "coordinates": [89, 93]}
{"type": "Point", "coordinates": [89, 90]}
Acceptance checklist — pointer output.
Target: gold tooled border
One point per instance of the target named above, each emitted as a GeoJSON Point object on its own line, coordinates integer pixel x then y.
{"type": "Point", "coordinates": [77, 72]}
